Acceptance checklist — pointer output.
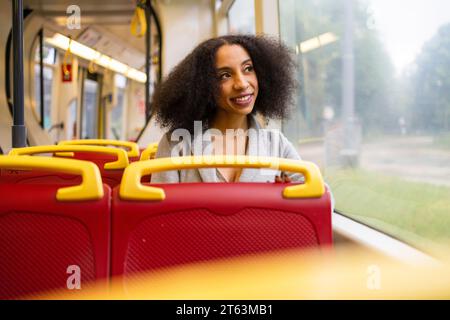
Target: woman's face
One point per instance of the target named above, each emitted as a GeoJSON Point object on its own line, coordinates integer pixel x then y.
{"type": "Point", "coordinates": [237, 78]}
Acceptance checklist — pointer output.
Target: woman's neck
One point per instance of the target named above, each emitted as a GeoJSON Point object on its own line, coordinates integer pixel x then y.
{"type": "Point", "coordinates": [223, 121]}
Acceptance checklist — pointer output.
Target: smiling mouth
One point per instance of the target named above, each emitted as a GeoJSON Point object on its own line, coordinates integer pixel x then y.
{"type": "Point", "coordinates": [243, 100]}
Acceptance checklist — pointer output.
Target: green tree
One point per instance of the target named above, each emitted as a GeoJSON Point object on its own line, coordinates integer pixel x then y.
{"type": "Point", "coordinates": [321, 69]}
{"type": "Point", "coordinates": [431, 82]}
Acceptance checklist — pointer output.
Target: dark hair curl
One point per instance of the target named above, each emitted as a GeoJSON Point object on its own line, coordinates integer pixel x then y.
{"type": "Point", "coordinates": [189, 92]}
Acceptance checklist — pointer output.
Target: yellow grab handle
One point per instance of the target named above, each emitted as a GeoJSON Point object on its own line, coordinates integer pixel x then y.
{"type": "Point", "coordinates": [67, 55]}
{"type": "Point", "coordinates": [149, 152]}
{"type": "Point", "coordinates": [90, 188]}
{"type": "Point", "coordinates": [139, 20]}
{"type": "Point", "coordinates": [132, 189]}
{"type": "Point", "coordinates": [121, 163]}
{"type": "Point", "coordinates": [133, 148]}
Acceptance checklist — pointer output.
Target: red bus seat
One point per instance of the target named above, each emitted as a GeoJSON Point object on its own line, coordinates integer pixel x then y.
{"type": "Point", "coordinates": [132, 148]}
{"type": "Point", "coordinates": [149, 152]}
{"type": "Point", "coordinates": [164, 225]}
{"type": "Point", "coordinates": [46, 239]}
{"type": "Point", "coordinates": [110, 161]}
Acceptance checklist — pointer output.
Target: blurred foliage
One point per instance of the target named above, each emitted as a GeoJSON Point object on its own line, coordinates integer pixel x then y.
{"type": "Point", "coordinates": [320, 70]}
{"type": "Point", "coordinates": [417, 101]}
{"type": "Point", "coordinates": [421, 96]}
{"type": "Point", "coordinates": [431, 85]}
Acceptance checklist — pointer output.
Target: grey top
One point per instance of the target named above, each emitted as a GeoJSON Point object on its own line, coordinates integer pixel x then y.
{"type": "Point", "coordinates": [261, 142]}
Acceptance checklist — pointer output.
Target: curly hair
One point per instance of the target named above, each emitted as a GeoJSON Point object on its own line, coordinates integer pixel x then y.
{"type": "Point", "coordinates": [189, 92]}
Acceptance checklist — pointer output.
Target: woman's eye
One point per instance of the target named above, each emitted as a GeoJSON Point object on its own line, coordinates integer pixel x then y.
{"type": "Point", "coordinates": [224, 76]}
{"type": "Point", "coordinates": [249, 68]}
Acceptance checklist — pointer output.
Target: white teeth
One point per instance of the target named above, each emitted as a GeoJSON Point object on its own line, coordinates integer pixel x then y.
{"type": "Point", "coordinates": [243, 99]}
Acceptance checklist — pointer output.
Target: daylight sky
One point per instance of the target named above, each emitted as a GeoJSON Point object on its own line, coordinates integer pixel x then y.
{"type": "Point", "coordinates": [405, 25]}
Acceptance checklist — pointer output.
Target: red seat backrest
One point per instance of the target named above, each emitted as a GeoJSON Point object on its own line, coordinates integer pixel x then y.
{"type": "Point", "coordinates": [204, 221]}
{"type": "Point", "coordinates": [35, 176]}
{"type": "Point", "coordinates": [110, 177]}
{"type": "Point", "coordinates": [45, 241]}
{"type": "Point", "coordinates": [99, 158]}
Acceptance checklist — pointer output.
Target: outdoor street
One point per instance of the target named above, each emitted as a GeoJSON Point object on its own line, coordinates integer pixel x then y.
{"type": "Point", "coordinates": [411, 158]}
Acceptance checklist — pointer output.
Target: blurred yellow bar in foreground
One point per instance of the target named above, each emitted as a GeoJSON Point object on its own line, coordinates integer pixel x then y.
{"type": "Point", "coordinates": [343, 273]}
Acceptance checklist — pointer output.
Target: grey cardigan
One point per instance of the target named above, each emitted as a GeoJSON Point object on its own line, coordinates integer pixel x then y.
{"type": "Point", "coordinates": [261, 142]}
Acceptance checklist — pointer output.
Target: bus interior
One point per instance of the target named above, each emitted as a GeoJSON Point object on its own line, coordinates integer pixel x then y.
{"type": "Point", "coordinates": [371, 122]}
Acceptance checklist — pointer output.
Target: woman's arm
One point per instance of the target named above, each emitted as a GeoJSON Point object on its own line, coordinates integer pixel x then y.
{"type": "Point", "coordinates": [288, 151]}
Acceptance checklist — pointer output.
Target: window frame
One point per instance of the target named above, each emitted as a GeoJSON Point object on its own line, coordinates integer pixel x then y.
{"type": "Point", "coordinates": [42, 65]}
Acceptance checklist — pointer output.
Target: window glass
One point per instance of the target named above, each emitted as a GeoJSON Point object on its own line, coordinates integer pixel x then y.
{"type": "Point", "coordinates": [48, 85]}
{"type": "Point", "coordinates": [117, 113]}
{"type": "Point", "coordinates": [90, 110]}
{"type": "Point", "coordinates": [373, 108]}
{"type": "Point", "coordinates": [72, 120]}
{"type": "Point", "coordinates": [241, 17]}
{"type": "Point", "coordinates": [136, 111]}
{"type": "Point", "coordinates": [49, 55]}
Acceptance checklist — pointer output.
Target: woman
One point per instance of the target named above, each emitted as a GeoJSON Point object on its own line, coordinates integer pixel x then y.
{"type": "Point", "coordinates": [211, 100]}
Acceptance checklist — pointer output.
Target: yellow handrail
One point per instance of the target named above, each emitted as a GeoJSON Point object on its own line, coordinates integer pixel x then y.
{"type": "Point", "coordinates": [90, 188]}
{"type": "Point", "coordinates": [149, 152]}
{"type": "Point", "coordinates": [133, 148]}
{"type": "Point", "coordinates": [139, 20]}
{"type": "Point", "coordinates": [121, 162]}
{"type": "Point", "coordinates": [132, 189]}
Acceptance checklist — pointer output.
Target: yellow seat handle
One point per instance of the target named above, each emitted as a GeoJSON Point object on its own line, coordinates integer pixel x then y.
{"type": "Point", "coordinates": [131, 187]}
{"type": "Point", "coordinates": [90, 188]}
{"type": "Point", "coordinates": [121, 162]}
{"type": "Point", "coordinates": [149, 152]}
{"type": "Point", "coordinates": [133, 148]}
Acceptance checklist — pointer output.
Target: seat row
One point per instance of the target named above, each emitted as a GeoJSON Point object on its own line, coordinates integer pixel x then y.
{"type": "Point", "coordinates": [53, 230]}
{"type": "Point", "coordinates": [111, 160]}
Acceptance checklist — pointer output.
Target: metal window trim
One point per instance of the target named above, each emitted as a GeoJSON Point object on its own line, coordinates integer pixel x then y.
{"type": "Point", "coordinates": [380, 242]}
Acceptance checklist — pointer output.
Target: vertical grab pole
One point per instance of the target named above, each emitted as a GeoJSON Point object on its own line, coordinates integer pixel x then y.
{"type": "Point", "coordinates": [19, 133]}
{"type": "Point", "coordinates": [147, 59]}
{"type": "Point", "coordinates": [41, 76]}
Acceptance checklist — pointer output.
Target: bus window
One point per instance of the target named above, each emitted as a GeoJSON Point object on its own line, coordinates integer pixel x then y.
{"type": "Point", "coordinates": [72, 120]}
{"type": "Point", "coordinates": [373, 109]}
{"type": "Point", "coordinates": [49, 60]}
{"type": "Point", "coordinates": [90, 104]}
{"type": "Point", "coordinates": [117, 113]}
{"type": "Point", "coordinates": [241, 17]}
{"type": "Point", "coordinates": [136, 110]}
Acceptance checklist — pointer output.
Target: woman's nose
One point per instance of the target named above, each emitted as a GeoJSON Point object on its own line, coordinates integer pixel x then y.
{"type": "Point", "coordinates": [240, 83]}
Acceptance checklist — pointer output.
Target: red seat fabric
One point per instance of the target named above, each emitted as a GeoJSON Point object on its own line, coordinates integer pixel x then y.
{"type": "Point", "coordinates": [110, 177]}
{"type": "Point", "coordinates": [99, 158]}
{"type": "Point", "coordinates": [204, 221]}
{"type": "Point", "coordinates": [37, 177]}
{"type": "Point", "coordinates": [40, 238]}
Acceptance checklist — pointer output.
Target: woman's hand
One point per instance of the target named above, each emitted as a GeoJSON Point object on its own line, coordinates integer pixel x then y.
{"type": "Point", "coordinates": [284, 178]}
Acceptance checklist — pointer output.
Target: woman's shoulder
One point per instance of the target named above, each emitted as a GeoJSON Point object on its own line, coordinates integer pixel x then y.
{"type": "Point", "coordinates": [276, 143]}
{"type": "Point", "coordinates": [164, 142]}
{"type": "Point", "coordinates": [175, 144]}
{"type": "Point", "coordinates": [271, 135]}
{"type": "Point", "coordinates": [165, 146]}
